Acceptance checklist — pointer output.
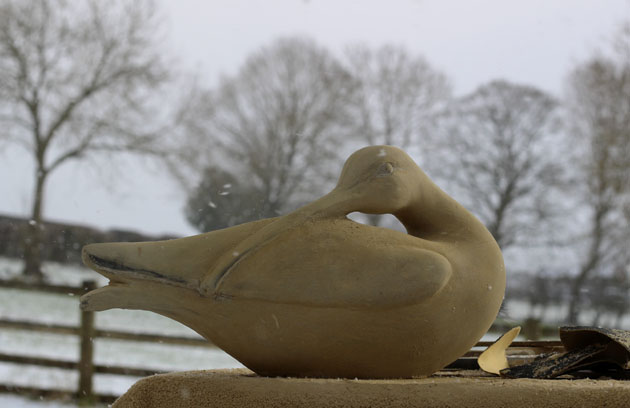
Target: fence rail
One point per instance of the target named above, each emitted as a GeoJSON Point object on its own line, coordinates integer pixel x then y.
{"type": "Point", "coordinates": [108, 334]}
{"type": "Point", "coordinates": [87, 333]}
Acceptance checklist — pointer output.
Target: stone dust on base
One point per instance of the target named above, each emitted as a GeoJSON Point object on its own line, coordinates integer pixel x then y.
{"type": "Point", "coordinates": [242, 388]}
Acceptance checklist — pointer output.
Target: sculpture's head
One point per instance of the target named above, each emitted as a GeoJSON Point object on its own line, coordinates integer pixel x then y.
{"type": "Point", "coordinates": [379, 180]}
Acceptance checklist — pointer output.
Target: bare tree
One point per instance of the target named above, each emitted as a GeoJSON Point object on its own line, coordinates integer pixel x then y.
{"type": "Point", "coordinates": [275, 124]}
{"type": "Point", "coordinates": [599, 105]}
{"type": "Point", "coordinates": [74, 79]}
{"type": "Point", "coordinates": [492, 152]}
{"type": "Point", "coordinates": [398, 95]}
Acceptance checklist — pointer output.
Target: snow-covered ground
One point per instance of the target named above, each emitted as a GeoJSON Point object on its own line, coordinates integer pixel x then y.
{"type": "Point", "coordinates": [16, 401]}
{"type": "Point", "coordinates": [64, 309]}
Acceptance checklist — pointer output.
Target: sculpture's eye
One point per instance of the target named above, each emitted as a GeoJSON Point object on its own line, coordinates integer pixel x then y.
{"type": "Point", "coordinates": [385, 169]}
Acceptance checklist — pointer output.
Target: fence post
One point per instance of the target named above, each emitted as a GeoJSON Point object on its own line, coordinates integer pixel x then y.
{"type": "Point", "coordinates": [86, 364]}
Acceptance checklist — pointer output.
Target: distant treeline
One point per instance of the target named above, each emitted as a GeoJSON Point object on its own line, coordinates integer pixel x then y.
{"type": "Point", "coordinates": [60, 242]}
{"type": "Point", "coordinates": [604, 296]}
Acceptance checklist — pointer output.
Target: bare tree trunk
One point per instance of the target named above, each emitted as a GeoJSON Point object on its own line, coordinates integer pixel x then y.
{"type": "Point", "coordinates": [618, 319]}
{"type": "Point", "coordinates": [594, 256]}
{"type": "Point", "coordinates": [598, 315]}
{"type": "Point", "coordinates": [543, 312]}
{"type": "Point", "coordinates": [576, 287]}
{"type": "Point", "coordinates": [33, 239]}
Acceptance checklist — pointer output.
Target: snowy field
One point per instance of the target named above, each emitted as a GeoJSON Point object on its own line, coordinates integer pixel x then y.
{"type": "Point", "coordinates": [64, 309]}
{"type": "Point", "coordinates": [15, 401]}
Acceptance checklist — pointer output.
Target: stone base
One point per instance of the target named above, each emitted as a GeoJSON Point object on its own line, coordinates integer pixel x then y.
{"type": "Point", "coordinates": [242, 388]}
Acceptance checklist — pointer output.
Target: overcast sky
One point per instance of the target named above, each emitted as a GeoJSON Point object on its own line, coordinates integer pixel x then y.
{"type": "Point", "coordinates": [534, 42]}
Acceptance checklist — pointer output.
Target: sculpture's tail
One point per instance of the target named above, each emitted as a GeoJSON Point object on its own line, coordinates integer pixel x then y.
{"type": "Point", "coordinates": [132, 268]}
{"type": "Point", "coordinates": [167, 267]}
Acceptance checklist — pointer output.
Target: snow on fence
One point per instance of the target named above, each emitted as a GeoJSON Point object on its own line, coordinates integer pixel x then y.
{"type": "Point", "coordinates": [87, 333]}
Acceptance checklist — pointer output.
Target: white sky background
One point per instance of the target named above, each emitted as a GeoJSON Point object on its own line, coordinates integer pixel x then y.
{"type": "Point", "coordinates": [472, 41]}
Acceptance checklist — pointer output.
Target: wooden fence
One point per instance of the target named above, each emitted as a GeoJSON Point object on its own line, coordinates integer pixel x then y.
{"type": "Point", "coordinates": [87, 333]}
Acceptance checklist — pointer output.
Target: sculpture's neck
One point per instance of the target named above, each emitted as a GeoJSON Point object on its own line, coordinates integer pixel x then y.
{"type": "Point", "coordinates": [437, 216]}
{"type": "Point", "coordinates": [432, 214]}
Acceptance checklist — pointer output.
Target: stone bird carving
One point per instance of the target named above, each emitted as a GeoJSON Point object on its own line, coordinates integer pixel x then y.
{"type": "Point", "coordinates": [313, 293]}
